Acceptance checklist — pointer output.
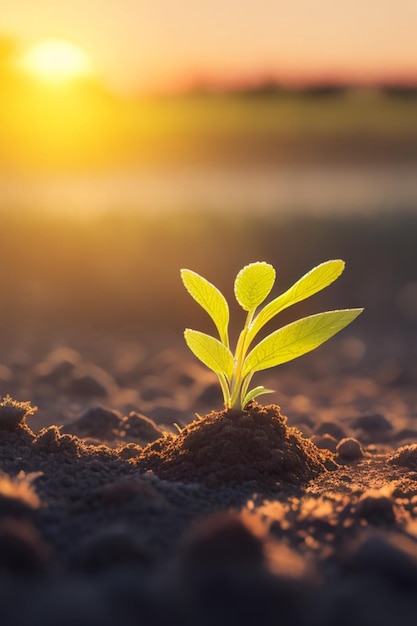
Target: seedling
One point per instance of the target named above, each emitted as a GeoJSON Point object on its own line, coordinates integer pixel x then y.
{"type": "Point", "coordinates": [252, 286]}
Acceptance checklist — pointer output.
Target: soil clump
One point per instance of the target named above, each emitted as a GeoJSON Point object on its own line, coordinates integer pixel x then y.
{"type": "Point", "coordinates": [233, 447]}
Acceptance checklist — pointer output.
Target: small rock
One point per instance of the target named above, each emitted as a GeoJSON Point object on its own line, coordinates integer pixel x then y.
{"type": "Point", "coordinates": [372, 422]}
{"type": "Point", "coordinates": [96, 422]}
{"type": "Point", "coordinates": [166, 415]}
{"type": "Point", "coordinates": [332, 429]}
{"type": "Point", "coordinates": [57, 366]}
{"type": "Point", "coordinates": [325, 442]}
{"type": "Point", "coordinates": [90, 380]}
{"type": "Point", "coordinates": [406, 433]}
{"type": "Point", "coordinates": [345, 478]}
{"type": "Point", "coordinates": [349, 449]}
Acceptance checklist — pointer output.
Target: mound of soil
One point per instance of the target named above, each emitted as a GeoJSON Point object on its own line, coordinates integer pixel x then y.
{"type": "Point", "coordinates": [405, 457]}
{"type": "Point", "coordinates": [234, 447]}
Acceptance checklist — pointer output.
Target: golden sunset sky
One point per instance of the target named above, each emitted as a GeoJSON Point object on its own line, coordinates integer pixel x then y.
{"type": "Point", "coordinates": [142, 45]}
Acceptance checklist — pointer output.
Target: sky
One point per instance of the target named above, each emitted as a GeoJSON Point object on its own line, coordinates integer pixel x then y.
{"type": "Point", "coordinates": [140, 45]}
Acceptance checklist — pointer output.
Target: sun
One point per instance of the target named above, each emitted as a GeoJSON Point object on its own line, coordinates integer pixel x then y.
{"type": "Point", "coordinates": [57, 61]}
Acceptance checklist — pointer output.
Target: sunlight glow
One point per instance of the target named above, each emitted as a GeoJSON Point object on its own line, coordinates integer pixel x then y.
{"type": "Point", "coordinates": [57, 60]}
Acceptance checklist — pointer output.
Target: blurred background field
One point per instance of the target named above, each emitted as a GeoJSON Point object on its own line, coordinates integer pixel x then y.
{"type": "Point", "coordinates": [95, 234]}
{"type": "Point", "coordinates": [325, 150]}
{"type": "Point", "coordinates": [121, 275]}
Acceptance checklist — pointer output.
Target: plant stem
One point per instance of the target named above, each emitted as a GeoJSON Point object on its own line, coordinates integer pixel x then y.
{"type": "Point", "coordinates": [244, 388]}
{"type": "Point", "coordinates": [225, 389]}
{"type": "Point", "coordinates": [240, 354]}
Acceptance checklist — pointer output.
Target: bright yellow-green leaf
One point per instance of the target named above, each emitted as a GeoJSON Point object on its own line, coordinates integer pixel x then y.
{"type": "Point", "coordinates": [210, 351]}
{"type": "Point", "coordinates": [254, 393]}
{"type": "Point", "coordinates": [253, 284]}
{"type": "Point", "coordinates": [210, 298]}
{"type": "Point", "coordinates": [315, 280]}
{"type": "Point", "coordinates": [297, 339]}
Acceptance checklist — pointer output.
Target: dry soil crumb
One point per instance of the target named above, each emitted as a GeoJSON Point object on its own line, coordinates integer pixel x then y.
{"type": "Point", "coordinates": [405, 457]}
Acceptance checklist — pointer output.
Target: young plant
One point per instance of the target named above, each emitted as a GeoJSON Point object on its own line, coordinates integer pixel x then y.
{"type": "Point", "coordinates": [252, 286]}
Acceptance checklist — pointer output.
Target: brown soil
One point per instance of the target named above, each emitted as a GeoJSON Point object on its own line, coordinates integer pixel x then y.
{"type": "Point", "coordinates": [231, 447]}
{"type": "Point", "coordinates": [109, 515]}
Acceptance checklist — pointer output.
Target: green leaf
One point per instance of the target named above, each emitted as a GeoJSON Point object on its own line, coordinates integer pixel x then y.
{"type": "Point", "coordinates": [253, 284]}
{"type": "Point", "coordinates": [254, 393]}
{"type": "Point", "coordinates": [210, 298]}
{"type": "Point", "coordinates": [315, 280]}
{"type": "Point", "coordinates": [210, 351]}
{"type": "Point", "coordinates": [296, 339]}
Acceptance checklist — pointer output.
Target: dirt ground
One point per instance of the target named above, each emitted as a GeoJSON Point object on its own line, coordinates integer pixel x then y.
{"type": "Point", "coordinates": [118, 504]}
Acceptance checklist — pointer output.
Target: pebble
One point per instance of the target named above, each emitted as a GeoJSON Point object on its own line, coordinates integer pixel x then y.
{"type": "Point", "coordinates": [90, 380]}
{"type": "Point", "coordinates": [96, 422]}
{"type": "Point", "coordinates": [349, 449]}
{"type": "Point", "coordinates": [374, 421]}
{"type": "Point", "coordinates": [57, 366]}
{"type": "Point", "coordinates": [325, 442]}
{"type": "Point", "coordinates": [332, 429]}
